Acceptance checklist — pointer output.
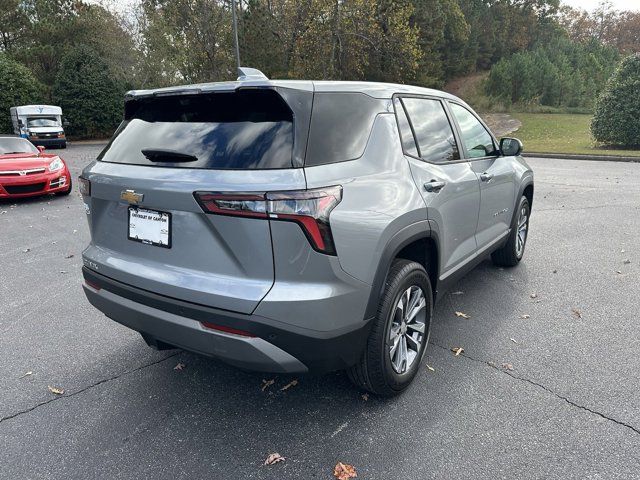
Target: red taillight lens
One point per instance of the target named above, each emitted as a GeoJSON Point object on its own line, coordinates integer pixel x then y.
{"type": "Point", "coordinates": [243, 204]}
{"type": "Point", "coordinates": [85, 187]}
{"type": "Point", "coordinates": [308, 208]}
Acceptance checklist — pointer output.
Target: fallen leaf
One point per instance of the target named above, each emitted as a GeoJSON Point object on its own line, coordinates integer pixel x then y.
{"type": "Point", "coordinates": [463, 315]}
{"type": "Point", "coordinates": [75, 231]}
{"type": "Point", "coordinates": [27, 374]}
{"type": "Point", "coordinates": [525, 316]}
{"type": "Point", "coordinates": [274, 458]}
{"type": "Point", "coordinates": [459, 292]}
{"type": "Point", "coordinates": [618, 272]}
{"type": "Point", "coordinates": [514, 340]}
{"type": "Point", "coordinates": [577, 313]}
{"type": "Point", "coordinates": [69, 256]}
{"type": "Point", "coordinates": [622, 251]}
{"type": "Point", "coordinates": [430, 368]}
{"type": "Point", "coordinates": [56, 390]}
{"type": "Point", "coordinates": [179, 366]}
{"type": "Point", "coordinates": [343, 471]}
{"type": "Point", "coordinates": [534, 295]}
{"type": "Point", "coordinates": [507, 366]}
{"type": "Point", "coordinates": [365, 396]}
{"type": "Point", "coordinates": [555, 271]}
{"type": "Point", "coordinates": [267, 383]}
{"type": "Point", "coordinates": [457, 350]}
{"type": "Point", "coordinates": [292, 383]}
{"type": "Point", "coordinates": [63, 271]}
{"type": "Point", "coordinates": [627, 261]}
{"type": "Point", "coordinates": [26, 250]}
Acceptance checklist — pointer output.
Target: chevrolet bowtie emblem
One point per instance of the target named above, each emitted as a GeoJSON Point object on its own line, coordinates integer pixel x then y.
{"type": "Point", "coordinates": [131, 196]}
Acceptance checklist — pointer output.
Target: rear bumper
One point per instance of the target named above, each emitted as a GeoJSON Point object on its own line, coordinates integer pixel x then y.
{"type": "Point", "coordinates": [276, 346]}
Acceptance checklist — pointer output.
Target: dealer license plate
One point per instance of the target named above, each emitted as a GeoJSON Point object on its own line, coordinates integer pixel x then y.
{"type": "Point", "coordinates": [150, 227]}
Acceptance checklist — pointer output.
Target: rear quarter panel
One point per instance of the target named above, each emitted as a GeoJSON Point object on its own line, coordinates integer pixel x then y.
{"type": "Point", "coordinates": [379, 199]}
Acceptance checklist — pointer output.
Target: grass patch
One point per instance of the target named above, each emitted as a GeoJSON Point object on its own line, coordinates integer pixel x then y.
{"type": "Point", "coordinates": [561, 133]}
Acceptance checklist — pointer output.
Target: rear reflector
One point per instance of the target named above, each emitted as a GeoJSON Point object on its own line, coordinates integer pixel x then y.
{"type": "Point", "coordinates": [95, 286]}
{"type": "Point", "coordinates": [308, 208]}
{"type": "Point", "coordinates": [222, 328]}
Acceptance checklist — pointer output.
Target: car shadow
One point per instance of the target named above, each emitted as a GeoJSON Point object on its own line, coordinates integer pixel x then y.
{"type": "Point", "coordinates": [230, 413]}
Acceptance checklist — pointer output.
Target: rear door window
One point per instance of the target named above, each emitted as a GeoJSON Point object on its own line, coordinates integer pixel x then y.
{"type": "Point", "coordinates": [434, 135]}
{"type": "Point", "coordinates": [476, 139]}
{"type": "Point", "coordinates": [406, 134]}
{"type": "Point", "coordinates": [246, 129]}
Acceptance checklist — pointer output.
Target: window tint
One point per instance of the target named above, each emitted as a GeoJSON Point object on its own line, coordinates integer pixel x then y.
{"type": "Point", "coordinates": [475, 137]}
{"type": "Point", "coordinates": [340, 126]}
{"type": "Point", "coordinates": [433, 131]}
{"type": "Point", "coordinates": [250, 129]}
{"type": "Point", "coordinates": [406, 135]}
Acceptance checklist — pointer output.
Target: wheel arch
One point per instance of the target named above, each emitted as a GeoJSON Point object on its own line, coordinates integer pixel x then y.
{"type": "Point", "coordinates": [526, 189]}
{"type": "Point", "coordinates": [417, 242]}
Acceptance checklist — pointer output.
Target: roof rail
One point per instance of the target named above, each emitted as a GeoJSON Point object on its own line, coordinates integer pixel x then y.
{"type": "Point", "coordinates": [246, 73]}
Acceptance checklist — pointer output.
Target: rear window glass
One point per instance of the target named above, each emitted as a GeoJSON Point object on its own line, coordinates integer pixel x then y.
{"type": "Point", "coordinates": [340, 126]}
{"type": "Point", "coordinates": [247, 129]}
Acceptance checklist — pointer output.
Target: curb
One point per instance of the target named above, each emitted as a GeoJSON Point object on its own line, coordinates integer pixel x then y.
{"type": "Point", "coordinates": [569, 156]}
{"type": "Point", "coordinates": [88, 142]}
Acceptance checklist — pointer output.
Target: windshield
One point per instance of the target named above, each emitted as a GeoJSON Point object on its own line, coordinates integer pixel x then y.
{"type": "Point", "coordinates": [16, 145]}
{"type": "Point", "coordinates": [43, 122]}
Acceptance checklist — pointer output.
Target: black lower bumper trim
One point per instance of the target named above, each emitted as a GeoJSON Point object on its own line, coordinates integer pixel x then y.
{"type": "Point", "coordinates": [319, 351]}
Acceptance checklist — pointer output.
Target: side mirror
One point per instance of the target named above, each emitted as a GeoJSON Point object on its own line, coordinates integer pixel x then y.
{"type": "Point", "coordinates": [510, 147]}
{"type": "Point", "coordinates": [40, 148]}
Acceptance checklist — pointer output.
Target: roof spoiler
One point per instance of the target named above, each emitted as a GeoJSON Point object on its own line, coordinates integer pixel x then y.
{"type": "Point", "coordinates": [246, 73]}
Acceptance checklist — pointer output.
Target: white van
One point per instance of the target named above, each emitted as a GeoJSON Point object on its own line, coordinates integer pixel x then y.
{"type": "Point", "coordinates": [40, 124]}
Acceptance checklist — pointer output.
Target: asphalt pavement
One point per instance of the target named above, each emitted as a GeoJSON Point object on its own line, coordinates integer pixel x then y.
{"type": "Point", "coordinates": [547, 386]}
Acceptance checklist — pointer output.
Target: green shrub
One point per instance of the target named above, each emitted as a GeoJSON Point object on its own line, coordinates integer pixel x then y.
{"type": "Point", "coordinates": [90, 97]}
{"type": "Point", "coordinates": [18, 86]}
{"type": "Point", "coordinates": [617, 116]}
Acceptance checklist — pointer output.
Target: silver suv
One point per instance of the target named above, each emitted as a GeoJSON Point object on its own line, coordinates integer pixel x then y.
{"type": "Point", "coordinates": [294, 226]}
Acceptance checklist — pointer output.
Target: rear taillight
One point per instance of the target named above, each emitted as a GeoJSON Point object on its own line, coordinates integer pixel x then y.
{"type": "Point", "coordinates": [308, 208]}
{"type": "Point", "coordinates": [85, 187]}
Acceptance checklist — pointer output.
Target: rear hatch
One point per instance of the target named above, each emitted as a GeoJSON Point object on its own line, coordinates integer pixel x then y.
{"type": "Point", "coordinates": [148, 229]}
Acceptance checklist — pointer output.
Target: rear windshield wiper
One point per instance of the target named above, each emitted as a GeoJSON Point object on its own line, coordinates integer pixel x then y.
{"type": "Point", "coordinates": [170, 156]}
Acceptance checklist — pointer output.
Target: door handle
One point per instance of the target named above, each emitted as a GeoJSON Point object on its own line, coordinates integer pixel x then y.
{"type": "Point", "coordinates": [434, 186]}
{"type": "Point", "coordinates": [485, 177]}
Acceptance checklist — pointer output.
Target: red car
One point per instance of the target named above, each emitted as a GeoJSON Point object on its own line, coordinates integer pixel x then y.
{"type": "Point", "coordinates": [26, 171]}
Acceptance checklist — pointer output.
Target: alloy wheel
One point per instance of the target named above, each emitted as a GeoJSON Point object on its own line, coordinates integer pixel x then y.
{"type": "Point", "coordinates": [521, 236]}
{"type": "Point", "coordinates": [407, 332]}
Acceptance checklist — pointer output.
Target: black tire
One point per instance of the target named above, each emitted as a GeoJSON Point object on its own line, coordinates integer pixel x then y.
{"type": "Point", "coordinates": [375, 372]}
{"type": "Point", "coordinates": [510, 255]}
{"type": "Point", "coordinates": [66, 192]}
